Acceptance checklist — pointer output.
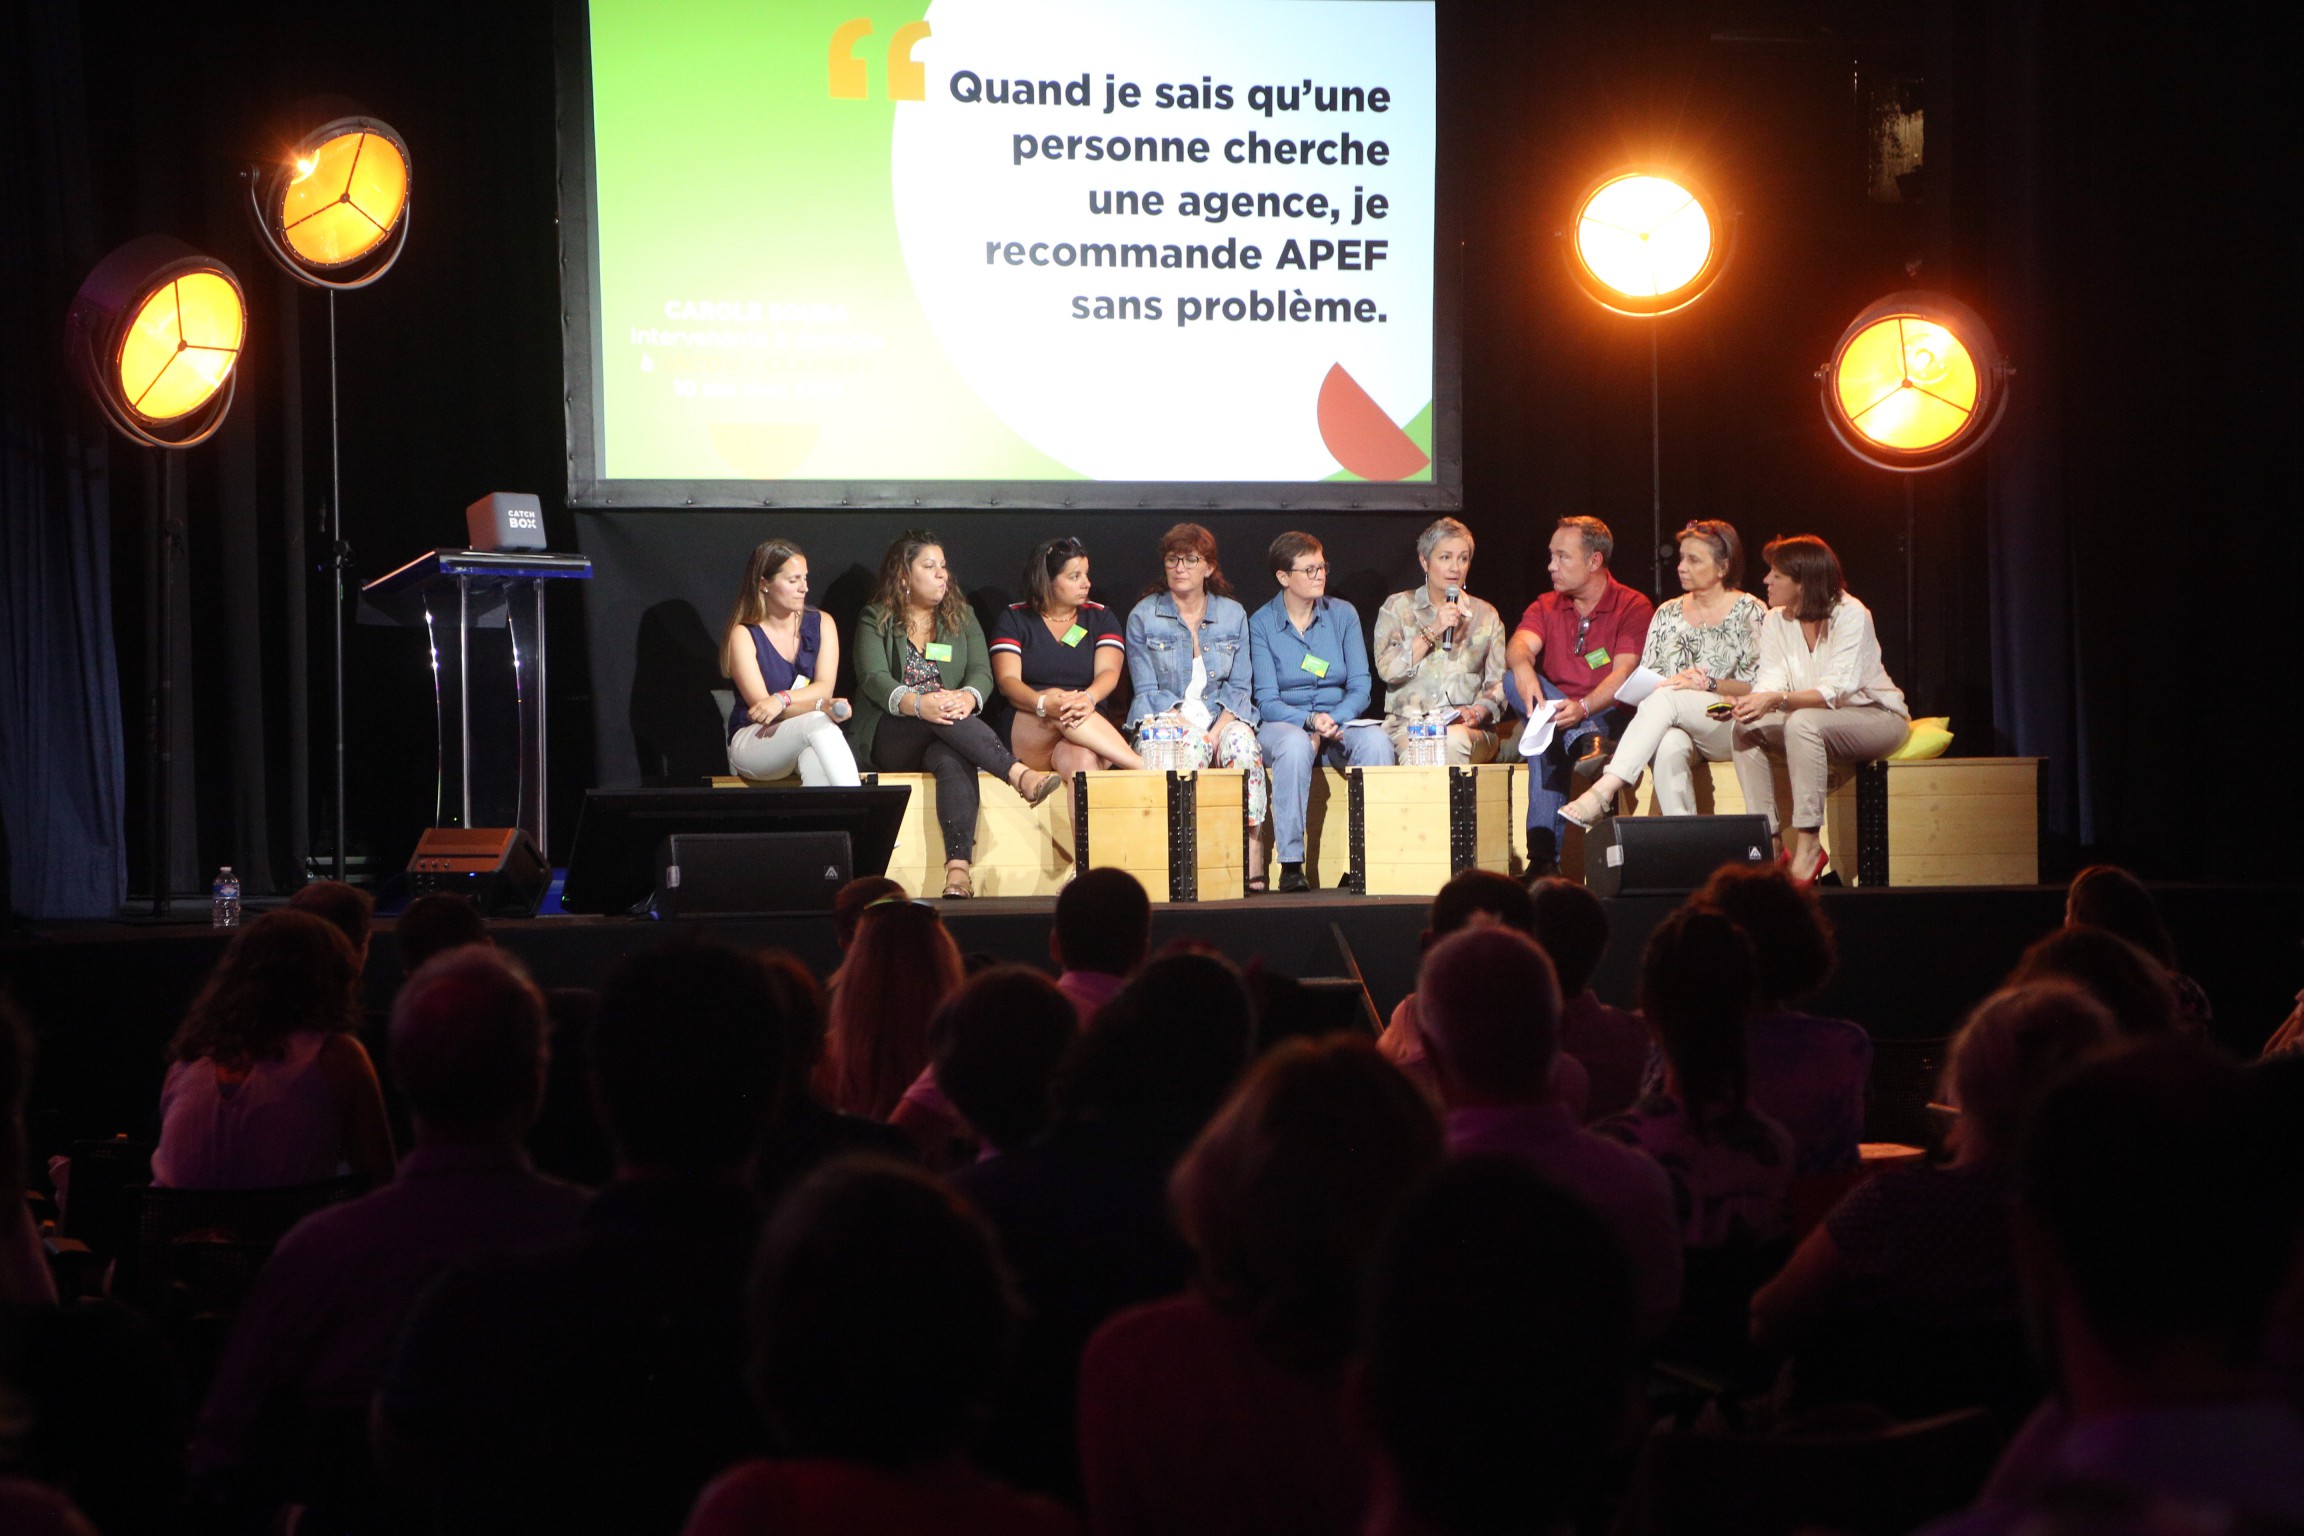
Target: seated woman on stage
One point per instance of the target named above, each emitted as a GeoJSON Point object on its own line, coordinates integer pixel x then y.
{"type": "Point", "coordinates": [922, 674]}
{"type": "Point", "coordinates": [1820, 695]}
{"type": "Point", "coordinates": [1437, 648]}
{"type": "Point", "coordinates": [1056, 657]}
{"type": "Point", "coordinates": [781, 654]}
{"type": "Point", "coordinates": [1188, 658]}
{"type": "Point", "coordinates": [1706, 646]}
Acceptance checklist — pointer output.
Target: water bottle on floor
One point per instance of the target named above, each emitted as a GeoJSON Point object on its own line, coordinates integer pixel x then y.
{"type": "Point", "coordinates": [224, 900]}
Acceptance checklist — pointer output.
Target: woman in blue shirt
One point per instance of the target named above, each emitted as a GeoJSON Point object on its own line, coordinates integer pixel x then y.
{"type": "Point", "coordinates": [1188, 661]}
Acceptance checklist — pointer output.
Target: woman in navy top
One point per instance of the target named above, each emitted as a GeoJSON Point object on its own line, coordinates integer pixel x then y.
{"type": "Point", "coordinates": [1056, 657]}
{"type": "Point", "coordinates": [781, 655]}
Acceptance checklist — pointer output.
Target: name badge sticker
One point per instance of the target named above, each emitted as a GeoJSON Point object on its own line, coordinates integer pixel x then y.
{"type": "Point", "coordinates": [1314, 665]}
{"type": "Point", "coordinates": [1075, 635]}
{"type": "Point", "coordinates": [1596, 659]}
{"type": "Point", "coordinates": [937, 650]}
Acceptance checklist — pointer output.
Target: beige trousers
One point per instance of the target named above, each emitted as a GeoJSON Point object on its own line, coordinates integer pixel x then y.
{"type": "Point", "coordinates": [1667, 732]}
{"type": "Point", "coordinates": [1810, 741]}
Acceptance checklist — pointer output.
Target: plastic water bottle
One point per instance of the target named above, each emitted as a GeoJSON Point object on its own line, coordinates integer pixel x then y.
{"type": "Point", "coordinates": [1427, 739]}
{"type": "Point", "coordinates": [1160, 741]}
{"type": "Point", "coordinates": [224, 900]}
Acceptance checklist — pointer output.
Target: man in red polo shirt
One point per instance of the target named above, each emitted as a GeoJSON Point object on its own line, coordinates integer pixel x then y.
{"type": "Point", "coordinates": [1577, 643]}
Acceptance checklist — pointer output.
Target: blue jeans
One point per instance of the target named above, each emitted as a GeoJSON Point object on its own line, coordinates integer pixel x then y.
{"type": "Point", "coordinates": [1548, 773]}
{"type": "Point", "coordinates": [1292, 753]}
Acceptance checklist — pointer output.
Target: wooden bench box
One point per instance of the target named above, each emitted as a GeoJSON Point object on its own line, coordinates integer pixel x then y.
{"type": "Point", "coordinates": [1413, 828]}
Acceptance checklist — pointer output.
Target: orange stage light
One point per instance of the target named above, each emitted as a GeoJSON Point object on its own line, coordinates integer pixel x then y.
{"type": "Point", "coordinates": [1917, 382]}
{"type": "Point", "coordinates": [334, 208]}
{"type": "Point", "coordinates": [1646, 242]}
{"type": "Point", "coordinates": [153, 335]}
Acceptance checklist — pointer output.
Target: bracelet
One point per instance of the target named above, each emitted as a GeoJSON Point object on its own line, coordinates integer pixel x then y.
{"type": "Point", "coordinates": [783, 696]}
{"type": "Point", "coordinates": [1040, 706]}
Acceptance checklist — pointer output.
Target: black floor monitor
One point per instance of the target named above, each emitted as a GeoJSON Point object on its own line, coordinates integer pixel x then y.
{"type": "Point", "coordinates": [612, 865]}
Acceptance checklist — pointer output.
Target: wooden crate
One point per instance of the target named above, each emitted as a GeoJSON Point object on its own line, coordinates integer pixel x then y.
{"type": "Point", "coordinates": [1955, 820]}
{"type": "Point", "coordinates": [1405, 831]}
{"type": "Point", "coordinates": [1184, 835]}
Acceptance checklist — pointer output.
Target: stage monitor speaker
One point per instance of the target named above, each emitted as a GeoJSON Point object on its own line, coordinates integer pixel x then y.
{"type": "Point", "coordinates": [1669, 855]}
{"type": "Point", "coordinates": [612, 863]}
{"type": "Point", "coordinates": [749, 874]}
{"type": "Point", "coordinates": [499, 868]}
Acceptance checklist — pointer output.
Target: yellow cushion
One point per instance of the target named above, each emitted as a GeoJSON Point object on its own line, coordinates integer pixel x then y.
{"type": "Point", "coordinates": [1927, 738]}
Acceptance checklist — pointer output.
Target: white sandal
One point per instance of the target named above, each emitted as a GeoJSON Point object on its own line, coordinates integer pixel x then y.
{"type": "Point", "coordinates": [1588, 810]}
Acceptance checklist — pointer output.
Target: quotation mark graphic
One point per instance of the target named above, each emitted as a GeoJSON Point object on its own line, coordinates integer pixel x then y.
{"type": "Point", "coordinates": [907, 77]}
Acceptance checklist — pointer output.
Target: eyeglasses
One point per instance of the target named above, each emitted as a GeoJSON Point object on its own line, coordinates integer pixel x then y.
{"type": "Point", "coordinates": [1308, 570]}
{"type": "Point", "coordinates": [1182, 562]}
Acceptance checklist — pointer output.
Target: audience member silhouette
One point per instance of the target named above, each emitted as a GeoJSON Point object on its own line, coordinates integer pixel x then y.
{"type": "Point", "coordinates": [2133, 986]}
{"type": "Point", "coordinates": [97, 1410]}
{"type": "Point", "coordinates": [849, 904]}
{"type": "Point", "coordinates": [350, 908]}
{"type": "Point", "coordinates": [898, 972]}
{"type": "Point", "coordinates": [269, 1085]}
{"type": "Point", "coordinates": [1475, 898]}
{"type": "Point", "coordinates": [1082, 1212]}
{"type": "Point", "coordinates": [998, 1042]}
{"type": "Point", "coordinates": [1498, 1354]}
{"type": "Point", "coordinates": [596, 1387]}
{"type": "Point", "coordinates": [1103, 932]}
{"type": "Point", "coordinates": [432, 924]}
{"type": "Point", "coordinates": [1804, 1071]}
{"type": "Point", "coordinates": [799, 1132]}
{"type": "Point", "coordinates": [1906, 1294]}
{"type": "Point", "coordinates": [2152, 1233]}
{"type": "Point", "coordinates": [880, 1319]}
{"type": "Point", "coordinates": [287, 1412]}
{"type": "Point", "coordinates": [1490, 1008]}
{"type": "Point", "coordinates": [24, 1277]}
{"type": "Point", "coordinates": [1572, 927]}
{"type": "Point", "coordinates": [2108, 897]}
{"type": "Point", "coordinates": [1220, 1410]}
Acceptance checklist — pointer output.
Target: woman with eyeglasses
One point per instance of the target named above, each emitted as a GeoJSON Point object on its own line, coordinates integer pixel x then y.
{"type": "Point", "coordinates": [1188, 662]}
{"type": "Point", "coordinates": [1056, 658]}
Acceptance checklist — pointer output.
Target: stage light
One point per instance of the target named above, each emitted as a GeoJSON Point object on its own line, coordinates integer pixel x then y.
{"type": "Point", "coordinates": [1916, 383]}
{"type": "Point", "coordinates": [1646, 242]}
{"type": "Point", "coordinates": [334, 208]}
{"type": "Point", "coordinates": [153, 336]}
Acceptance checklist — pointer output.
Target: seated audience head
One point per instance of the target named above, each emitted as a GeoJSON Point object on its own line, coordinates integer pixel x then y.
{"type": "Point", "coordinates": [1697, 989]}
{"type": "Point", "coordinates": [2108, 897]}
{"type": "Point", "coordinates": [898, 973]}
{"type": "Point", "coordinates": [350, 908]}
{"type": "Point", "coordinates": [1578, 553]}
{"type": "Point", "coordinates": [434, 923]}
{"type": "Point", "coordinates": [800, 1004]}
{"type": "Point", "coordinates": [286, 973]}
{"type": "Point", "coordinates": [1283, 1195]}
{"type": "Point", "coordinates": [686, 1054]}
{"type": "Point", "coordinates": [1498, 1351]}
{"type": "Point", "coordinates": [1289, 1009]}
{"type": "Point", "coordinates": [849, 902]}
{"type": "Point", "coordinates": [1103, 923]}
{"type": "Point", "coordinates": [1479, 898]}
{"type": "Point", "coordinates": [1162, 1056]}
{"type": "Point", "coordinates": [1488, 1004]}
{"type": "Point", "coordinates": [16, 1050]}
{"type": "Point", "coordinates": [2150, 1238]}
{"type": "Point", "coordinates": [1572, 926]}
{"type": "Point", "coordinates": [2015, 1046]}
{"type": "Point", "coordinates": [881, 1318]}
{"type": "Point", "coordinates": [1804, 576]}
{"type": "Point", "coordinates": [2129, 982]}
{"type": "Point", "coordinates": [468, 1047]}
{"type": "Point", "coordinates": [1299, 564]}
{"type": "Point", "coordinates": [998, 1042]}
{"type": "Point", "coordinates": [1790, 935]}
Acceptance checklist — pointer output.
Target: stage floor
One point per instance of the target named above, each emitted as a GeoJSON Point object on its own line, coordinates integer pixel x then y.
{"type": "Point", "coordinates": [104, 997]}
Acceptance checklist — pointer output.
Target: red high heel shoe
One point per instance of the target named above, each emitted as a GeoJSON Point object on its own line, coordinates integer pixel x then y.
{"type": "Point", "coordinates": [1823, 863]}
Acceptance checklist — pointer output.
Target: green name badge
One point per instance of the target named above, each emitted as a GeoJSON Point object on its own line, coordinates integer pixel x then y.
{"type": "Point", "coordinates": [1075, 635]}
{"type": "Point", "coordinates": [1315, 666]}
{"type": "Point", "coordinates": [937, 651]}
{"type": "Point", "coordinates": [1596, 659]}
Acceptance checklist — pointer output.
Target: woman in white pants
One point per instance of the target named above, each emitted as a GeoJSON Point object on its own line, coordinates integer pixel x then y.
{"type": "Point", "coordinates": [1706, 646]}
{"type": "Point", "coordinates": [1821, 696]}
{"type": "Point", "coordinates": [781, 654]}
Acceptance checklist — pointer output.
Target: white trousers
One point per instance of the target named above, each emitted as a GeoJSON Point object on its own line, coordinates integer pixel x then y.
{"type": "Point", "coordinates": [811, 745]}
{"type": "Point", "coordinates": [1668, 732]}
{"type": "Point", "coordinates": [1810, 741]}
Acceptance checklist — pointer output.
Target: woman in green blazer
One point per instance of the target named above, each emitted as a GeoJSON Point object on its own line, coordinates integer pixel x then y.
{"type": "Point", "coordinates": [922, 676]}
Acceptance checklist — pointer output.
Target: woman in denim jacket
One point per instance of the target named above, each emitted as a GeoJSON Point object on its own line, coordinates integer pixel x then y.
{"type": "Point", "coordinates": [1188, 661]}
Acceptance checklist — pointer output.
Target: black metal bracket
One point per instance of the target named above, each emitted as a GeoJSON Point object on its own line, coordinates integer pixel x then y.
{"type": "Point", "coordinates": [1356, 820]}
{"type": "Point", "coordinates": [1079, 824]}
{"type": "Point", "coordinates": [1872, 824]}
{"type": "Point", "coordinates": [1463, 819]}
{"type": "Point", "coordinates": [1183, 836]}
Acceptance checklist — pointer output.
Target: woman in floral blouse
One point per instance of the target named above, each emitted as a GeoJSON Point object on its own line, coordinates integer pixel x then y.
{"type": "Point", "coordinates": [1706, 646]}
{"type": "Point", "coordinates": [1439, 648]}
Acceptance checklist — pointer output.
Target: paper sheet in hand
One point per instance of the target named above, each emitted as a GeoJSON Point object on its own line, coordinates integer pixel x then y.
{"type": "Point", "coordinates": [1538, 736]}
{"type": "Point", "coordinates": [1643, 682]}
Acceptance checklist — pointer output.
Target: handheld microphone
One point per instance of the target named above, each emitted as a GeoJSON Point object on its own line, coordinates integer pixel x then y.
{"type": "Point", "coordinates": [1448, 635]}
